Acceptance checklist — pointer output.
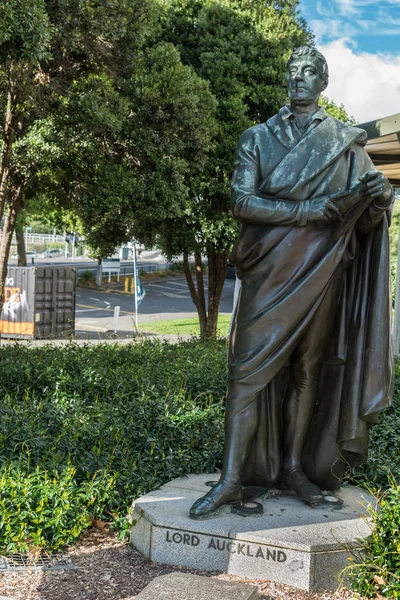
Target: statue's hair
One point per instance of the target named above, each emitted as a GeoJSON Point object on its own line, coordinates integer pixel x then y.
{"type": "Point", "coordinates": [310, 51]}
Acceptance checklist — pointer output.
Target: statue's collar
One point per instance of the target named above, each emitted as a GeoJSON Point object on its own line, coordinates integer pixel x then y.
{"type": "Point", "coordinates": [280, 125]}
{"type": "Point", "coordinates": [287, 113]}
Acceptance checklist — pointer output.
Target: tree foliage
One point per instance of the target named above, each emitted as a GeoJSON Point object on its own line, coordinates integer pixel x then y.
{"type": "Point", "coordinates": [99, 119]}
{"type": "Point", "coordinates": [337, 111]}
{"type": "Point", "coordinates": [123, 117]}
{"type": "Point", "coordinates": [240, 48]}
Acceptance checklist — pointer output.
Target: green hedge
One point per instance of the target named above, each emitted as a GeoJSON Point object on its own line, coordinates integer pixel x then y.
{"type": "Point", "coordinates": [384, 446]}
{"type": "Point", "coordinates": [144, 413]}
{"type": "Point", "coordinates": [42, 511]}
{"type": "Point", "coordinates": [86, 429]}
{"type": "Point", "coordinates": [375, 571]}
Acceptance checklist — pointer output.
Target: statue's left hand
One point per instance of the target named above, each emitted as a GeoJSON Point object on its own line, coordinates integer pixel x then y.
{"type": "Point", "coordinates": [377, 186]}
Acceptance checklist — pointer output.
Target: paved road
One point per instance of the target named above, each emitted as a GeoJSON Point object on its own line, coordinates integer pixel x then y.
{"type": "Point", "coordinates": [165, 299]}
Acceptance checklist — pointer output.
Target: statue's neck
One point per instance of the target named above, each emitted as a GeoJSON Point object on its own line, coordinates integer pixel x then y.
{"type": "Point", "coordinates": [304, 114]}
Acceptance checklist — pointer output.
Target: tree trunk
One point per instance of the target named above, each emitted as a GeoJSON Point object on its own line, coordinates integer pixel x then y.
{"type": "Point", "coordinates": [208, 317]}
{"type": "Point", "coordinates": [5, 243]}
{"type": "Point", "coordinates": [198, 295]}
{"type": "Point", "coordinates": [216, 278]}
{"type": "Point", "coordinates": [21, 249]}
{"type": "Point", "coordinates": [99, 273]}
{"type": "Point", "coordinates": [8, 138]}
{"type": "Point", "coordinates": [200, 281]}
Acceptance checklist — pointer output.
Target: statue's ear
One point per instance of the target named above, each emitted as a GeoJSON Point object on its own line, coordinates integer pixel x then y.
{"type": "Point", "coordinates": [325, 85]}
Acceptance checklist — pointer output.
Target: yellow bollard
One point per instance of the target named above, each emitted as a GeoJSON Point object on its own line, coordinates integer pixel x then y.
{"type": "Point", "coordinates": [126, 285]}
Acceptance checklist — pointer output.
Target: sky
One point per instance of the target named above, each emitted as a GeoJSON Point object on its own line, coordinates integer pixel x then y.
{"type": "Point", "coordinates": [361, 41]}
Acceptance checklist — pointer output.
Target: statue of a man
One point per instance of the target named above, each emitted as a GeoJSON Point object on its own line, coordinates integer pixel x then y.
{"type": "Point", "coordinates": [310, 361]}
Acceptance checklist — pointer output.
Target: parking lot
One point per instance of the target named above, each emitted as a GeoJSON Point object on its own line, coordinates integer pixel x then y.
{"type": "Point", "coordinates": [164, 299]}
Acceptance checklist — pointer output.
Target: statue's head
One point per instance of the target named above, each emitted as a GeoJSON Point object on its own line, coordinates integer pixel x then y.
{"type": "Point", "coordinates": [307, 75]}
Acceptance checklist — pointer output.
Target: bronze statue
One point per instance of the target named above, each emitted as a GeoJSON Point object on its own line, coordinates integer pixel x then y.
{"type": "Point", "coordinates": [310, 360]}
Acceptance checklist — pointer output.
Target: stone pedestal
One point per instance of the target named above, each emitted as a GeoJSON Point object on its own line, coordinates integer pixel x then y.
{"type": "Point", "coordinates": [290, 543]}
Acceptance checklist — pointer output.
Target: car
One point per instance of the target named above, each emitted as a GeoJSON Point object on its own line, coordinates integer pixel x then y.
{"type": "Point", "coordinates": [52, 253]}
{"type": "Point", "coordinates": [29, 254]}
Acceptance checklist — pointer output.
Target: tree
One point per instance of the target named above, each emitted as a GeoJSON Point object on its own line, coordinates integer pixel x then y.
{"type": "Point", "coordinates": [240, 48]}
{"type": "Point", "coordinates": [43, 46]}
{"type": "Point", "coordinates": [126, 116]}
{"type": "Point", "coordinates": [165, 117]}
{"type": "Point", "coordinates": [118, 139]}
{"type": "Point", "coordinates": [25, 37]}
{"type": "Point", "coordinates": [86, 143]}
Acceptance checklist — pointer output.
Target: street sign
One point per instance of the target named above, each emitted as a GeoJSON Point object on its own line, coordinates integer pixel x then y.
{"type": "Point", "coordinates": [111, 265]}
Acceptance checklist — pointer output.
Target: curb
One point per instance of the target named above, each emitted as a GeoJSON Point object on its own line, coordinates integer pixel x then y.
{"type": "Point", "coordinates": [87, 327]}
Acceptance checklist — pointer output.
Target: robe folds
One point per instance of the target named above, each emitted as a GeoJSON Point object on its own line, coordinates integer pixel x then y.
{"type": "Point", "coordinates": [286, 266]}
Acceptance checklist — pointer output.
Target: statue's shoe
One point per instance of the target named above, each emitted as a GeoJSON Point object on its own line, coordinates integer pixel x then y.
{"type": "Point", "coordinates": [309, 492]}
{"type": "Point", "coordinates": [222, 493]}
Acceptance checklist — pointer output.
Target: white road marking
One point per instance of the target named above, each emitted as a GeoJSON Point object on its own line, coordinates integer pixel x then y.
{"type": "Point", "coordinates": [95, 299]}
{"type": "Point", "coordinates": [178, 283]}
{"type": "Point", "coordinates": [165, 287]}
{"type": "Point", "coordinates": [87, 309]}
{"type": "Point", "coordinates": [169, 295]}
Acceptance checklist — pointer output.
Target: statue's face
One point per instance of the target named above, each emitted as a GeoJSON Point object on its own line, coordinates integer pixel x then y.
{"type": "Point", "coordinates": [305, 82]}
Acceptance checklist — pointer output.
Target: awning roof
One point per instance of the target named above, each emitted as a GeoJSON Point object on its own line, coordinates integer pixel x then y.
{"type": "Point", "coordinates": [384, 146]}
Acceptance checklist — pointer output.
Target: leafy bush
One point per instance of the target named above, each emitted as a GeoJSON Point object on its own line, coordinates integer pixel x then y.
{"type": "Point", "coordinates": [145, 412]}
{"type": "Point", "coordinates": [87, 277]}
{"type": "Point", "coordinates": [394, 232]}
{"type": "Point", "coordinates": [384, 447]}
{"type": "Point", "coordinates": [376, 571]}
{"type": "Point", "coordinates": [86, 429]}
{"type": "Point", "coordinates": [42, 511]}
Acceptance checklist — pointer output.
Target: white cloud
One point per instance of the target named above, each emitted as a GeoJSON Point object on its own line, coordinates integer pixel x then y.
{"type": "Point", "coordinates": [332, 29]}
{"type": "Point", "coordinates": [355, 17]}
{"type": "Point", "coordinates": [368, 85]}
{"type": "Point", "coordinates": [348, 8]}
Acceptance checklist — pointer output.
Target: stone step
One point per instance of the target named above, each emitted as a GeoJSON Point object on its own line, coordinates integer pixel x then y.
{"type": "Point", "coordinates": [184, 586]}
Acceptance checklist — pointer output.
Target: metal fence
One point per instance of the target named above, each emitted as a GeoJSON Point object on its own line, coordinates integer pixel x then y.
{"type": "Point", "coordinates": [127, 269]}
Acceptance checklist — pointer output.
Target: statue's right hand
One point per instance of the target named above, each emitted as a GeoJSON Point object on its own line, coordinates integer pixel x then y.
{"type": "Point", "coordinates": [323, 211]}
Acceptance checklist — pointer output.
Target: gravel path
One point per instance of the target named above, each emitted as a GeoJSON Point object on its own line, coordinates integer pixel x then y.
{"type": "Point", "coordinates": [111, 570]}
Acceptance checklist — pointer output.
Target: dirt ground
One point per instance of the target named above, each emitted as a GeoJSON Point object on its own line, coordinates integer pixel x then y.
{"type": "Point", "coordinates": [108, 569]}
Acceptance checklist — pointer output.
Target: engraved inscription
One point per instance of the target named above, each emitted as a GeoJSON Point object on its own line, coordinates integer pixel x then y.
{"type": "Point", "coordinates": [182, 538]}
{"type": "Point", "coordinates": [231, 546]}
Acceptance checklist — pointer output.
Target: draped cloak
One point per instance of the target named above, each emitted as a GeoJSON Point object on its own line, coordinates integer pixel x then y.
{"type": "Point", "coordinates": [285, 271]}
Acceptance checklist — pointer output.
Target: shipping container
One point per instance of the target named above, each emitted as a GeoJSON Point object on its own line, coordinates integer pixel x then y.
{"type": "Point", "coordinates": [39, 303]}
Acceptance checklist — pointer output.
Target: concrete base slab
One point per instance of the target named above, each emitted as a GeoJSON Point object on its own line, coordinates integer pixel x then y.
{"type": "Point", "coordinates": [184, 586]}
{"type": "Point", "coordinates": [290, 543]}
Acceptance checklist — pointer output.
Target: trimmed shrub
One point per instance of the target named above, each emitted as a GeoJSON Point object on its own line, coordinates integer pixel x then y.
{"type": "Point", "coordinates": [376, 572]}
{"type": "Point", "coordinates": [384, 447]}
{"type": "Point", "coordinates": [86, 429]}
{"type": "Point", "coordinates": [39, 511]}
{"type": "Point", "coordinates": [87, 278]}
{"type": "Point", "coordinates": [144, 412]}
